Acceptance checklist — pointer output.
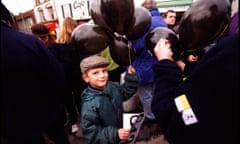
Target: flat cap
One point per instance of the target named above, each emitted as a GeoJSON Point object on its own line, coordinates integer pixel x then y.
{"type": "Point", "coordinates": [39, 29]}
{"type": "Point", "coordinates": [93, 62]}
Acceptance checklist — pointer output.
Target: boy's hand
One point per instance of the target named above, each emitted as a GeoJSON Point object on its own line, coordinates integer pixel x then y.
{"type": "Point", "coordinates": [131, 69]}
{"type": "Point", "coordinates": [123, 133]}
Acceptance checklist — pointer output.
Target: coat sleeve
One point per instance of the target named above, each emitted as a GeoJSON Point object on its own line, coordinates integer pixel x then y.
{"type": "Point", "coordinates": [167, 77]}
{"type": "Point", "coordinates": [129, 87]}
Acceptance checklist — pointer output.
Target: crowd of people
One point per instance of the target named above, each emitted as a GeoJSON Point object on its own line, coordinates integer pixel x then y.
{"type": "Point", "coordinates": [46, 85]}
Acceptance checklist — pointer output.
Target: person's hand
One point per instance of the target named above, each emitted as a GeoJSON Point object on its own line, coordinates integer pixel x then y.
{"type": "Point", "coordinates": [181, 64]}
{"type": "Point", "coordinates": [162, 50]}
{"type": "Point", "coordinates": [131, 69]}
{"type": "Point", "coordinates": [192, 58]}
{"type": "Point", "coordinates": [123, 133]}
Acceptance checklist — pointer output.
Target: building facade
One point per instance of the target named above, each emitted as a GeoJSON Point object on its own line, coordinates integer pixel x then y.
{"type": "Point", "coordinates": [52, 12]}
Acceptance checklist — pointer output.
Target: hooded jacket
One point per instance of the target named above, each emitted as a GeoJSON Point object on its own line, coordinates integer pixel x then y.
{"type": "Point", "coordinates": [144, 60]}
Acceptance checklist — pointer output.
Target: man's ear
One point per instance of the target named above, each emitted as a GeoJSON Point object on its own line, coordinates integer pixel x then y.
{"type": "Point", "coordinates": [85, 77]}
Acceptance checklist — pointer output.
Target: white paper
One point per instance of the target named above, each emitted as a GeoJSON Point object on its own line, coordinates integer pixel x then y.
{"type": "Point", "coordinates": [126, 119]}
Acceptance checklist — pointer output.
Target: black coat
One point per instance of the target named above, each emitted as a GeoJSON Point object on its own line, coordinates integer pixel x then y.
{"type": "Point", "coordinates": [32, 81]}
{"type": "Point", "coordinates": [212, 90]}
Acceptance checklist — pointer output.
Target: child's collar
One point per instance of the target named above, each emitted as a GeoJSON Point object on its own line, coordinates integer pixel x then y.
{"type": "Point", "coordinates": [93, 90]}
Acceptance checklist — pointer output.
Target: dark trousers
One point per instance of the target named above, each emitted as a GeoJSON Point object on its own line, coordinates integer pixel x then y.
{"type": "Point", "coordinates": [70, 107]}
{"type": "Point", "coordinates": [56, 132]}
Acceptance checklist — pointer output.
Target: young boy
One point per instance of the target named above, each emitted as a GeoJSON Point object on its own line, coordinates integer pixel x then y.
{"type": "Point", "coordinates": [101, 116]}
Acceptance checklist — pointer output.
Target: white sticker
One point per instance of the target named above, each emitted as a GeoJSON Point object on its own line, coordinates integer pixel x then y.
{"type": "Point", "coordinates": [185, 109]}
{"type": "Point", "coordinates": [189, 117]}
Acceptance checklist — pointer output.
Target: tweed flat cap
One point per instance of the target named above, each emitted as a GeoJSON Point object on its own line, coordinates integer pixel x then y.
{"type": "Point", "coordinates": [93, 62]}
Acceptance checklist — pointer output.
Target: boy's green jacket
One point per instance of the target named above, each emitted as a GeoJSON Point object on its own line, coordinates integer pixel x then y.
{"type": "Point", "coordinates": [101, 113]}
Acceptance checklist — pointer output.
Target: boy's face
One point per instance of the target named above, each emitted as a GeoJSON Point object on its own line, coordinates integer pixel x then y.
{"type": "Point", "coordinates": [96, 77]}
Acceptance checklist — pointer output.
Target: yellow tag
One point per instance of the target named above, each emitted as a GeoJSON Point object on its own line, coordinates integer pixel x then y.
{"type": "Point", "coordinates": [184, 78]}
{"type": "Point", "coordinates": [182, 102]}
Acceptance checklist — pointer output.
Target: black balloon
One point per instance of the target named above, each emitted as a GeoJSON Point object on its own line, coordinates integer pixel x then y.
{"type": "Point", "coordinates": [96, 15]}
{"type": "Point", "coordinates": [203, 23]}
{"type": "Point", "coordinates": [89, 39]}
{"type": "Point", "coordinates": [117, 14]}
{"type": "Point", "coordinates": [163, 32]}
{"type": "Point", "coordinates": [141, 22]}
{"type": "Point", "coordinates": [122, 51]}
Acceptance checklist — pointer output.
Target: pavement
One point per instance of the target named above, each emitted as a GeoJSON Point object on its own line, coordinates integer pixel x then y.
{"type": "Point", "coordinates": [74, 138]}
{"type": "Point", "coordinates": [149, 133]}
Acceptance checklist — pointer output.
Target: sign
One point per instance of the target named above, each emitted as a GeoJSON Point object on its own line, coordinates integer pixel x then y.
{"type": "Point", "coordinates": [132, 121]}
{"type": "Point", "coordinates": [80, 9]}
{"type": "Point", "coordinates": [77, 9]}
{"type": "Point", "coordinates": [173, 3]}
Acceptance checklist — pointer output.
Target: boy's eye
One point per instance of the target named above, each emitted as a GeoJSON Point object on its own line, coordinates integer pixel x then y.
{"type": "Point", "coordinates": [95, 73]}
{"type": "Point", "coordinates": [105, 70]}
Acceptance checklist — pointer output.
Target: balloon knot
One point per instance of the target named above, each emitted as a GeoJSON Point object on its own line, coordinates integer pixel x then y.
{"type": "Point", "coordinates": [118, 36]}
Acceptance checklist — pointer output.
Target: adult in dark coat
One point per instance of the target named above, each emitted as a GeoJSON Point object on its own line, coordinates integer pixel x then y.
{"type": "Point", "coordinates": [204, 107]}
{"type": "Point", "coordinates": [56, 132]}
{"type": "Point", "coordinates": [32, 81]}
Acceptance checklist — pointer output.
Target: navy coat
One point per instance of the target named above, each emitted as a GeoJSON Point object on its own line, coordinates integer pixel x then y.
{"type": "Point", "coordinates": [32, 81]}
{"type": "Point", "coordinates": [212, 90]}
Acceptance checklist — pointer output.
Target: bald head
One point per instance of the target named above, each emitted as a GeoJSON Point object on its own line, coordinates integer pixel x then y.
{"type": "Point", "coordinates": [149, 4]}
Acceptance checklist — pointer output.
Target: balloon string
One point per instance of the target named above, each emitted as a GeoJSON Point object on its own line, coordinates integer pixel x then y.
{"type": "Point", "coordinates": [117, 36]}
{"type": "Point", "coordinates": [129, 55]}
{"type": "Point", "coordinates": [221, 33]}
